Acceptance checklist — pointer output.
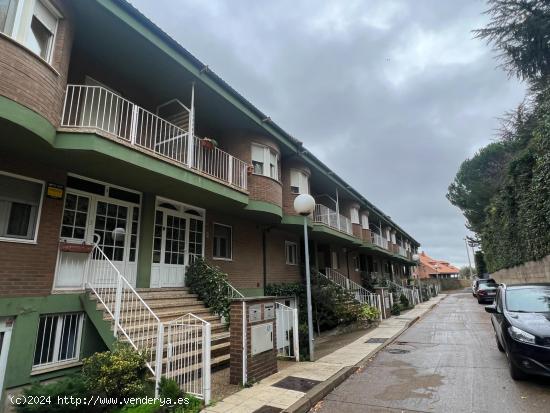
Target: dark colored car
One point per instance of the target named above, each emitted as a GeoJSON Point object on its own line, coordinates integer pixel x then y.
{"type": "Point", "coordinates": [478, 281]}
{"type": "Point", "coordinates": [486, 292]}
{"type": "Point", "coordinates": [521, 319]}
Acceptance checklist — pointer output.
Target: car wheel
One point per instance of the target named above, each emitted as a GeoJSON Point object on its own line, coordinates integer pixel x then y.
{"type": "Point", "coordinates": [499, 346]}
{"type": "Point", "coordinates": [479, 301]}
{"type": "Point", "coordinates": [515, 372]}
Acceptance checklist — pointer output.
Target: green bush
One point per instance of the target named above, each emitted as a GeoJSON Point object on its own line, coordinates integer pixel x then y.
{"type": "Point", "coordinates": [396, 309]}
{"type": "Point", "coordinates": [170, 389]}
{"type": "Point", "coordinates": [69, 386]}
{"type": "Point", "coordinates": [118, 373]}
{"type": "Point", "coordinates": [370, 314]}
{"type": "Point", "coordinates": [404, 301]}
{"type": "Point", "coordinates": [210, 284]}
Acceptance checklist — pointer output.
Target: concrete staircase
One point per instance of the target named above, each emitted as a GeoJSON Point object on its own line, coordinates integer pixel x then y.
{"type": "Point", "coordinates": [171, 303]}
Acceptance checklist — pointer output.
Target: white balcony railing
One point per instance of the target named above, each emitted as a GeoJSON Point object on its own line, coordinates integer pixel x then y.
{"type": "Point", "coordinates": [327, 216]}
{"type": "Point", "coordinates": [95, 107]}
{"type": "Point", "coordinates": [379, 240]}
{"type": "Point", "coordinates": [402, 251]}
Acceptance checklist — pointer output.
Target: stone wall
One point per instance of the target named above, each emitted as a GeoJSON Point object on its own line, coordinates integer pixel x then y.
{"type": "Point", "coordinates": [454, 283]}
{"type": "Point", "coordinates": [530, 272]}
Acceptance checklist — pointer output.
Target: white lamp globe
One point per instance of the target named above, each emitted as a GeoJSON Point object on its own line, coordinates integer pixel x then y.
{"type": "Point", "coordinates": [304, 204]}
{"type": "Point", "coordinates": [416, 257]}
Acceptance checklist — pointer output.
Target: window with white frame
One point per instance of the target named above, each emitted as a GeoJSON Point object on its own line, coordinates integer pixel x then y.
{"type": "Point", "coordinates": [265, 161]}
{"type": "Point", "coordinates": [299, 182]}
{"type": "Point", "coordinates": [58, 339]}
{"type": "Point", "coordinates": [20, 201]}
{"type": "Point", "coordinates": [32, 23]}
{"type": "Point", "coordinates": [222, 242]}
{"type": "Point", "coordinates": [291, 249]}
{"type": "Point", "coordinates": [365, 221]}
{"type": "Point", "coordinates": [354, 215]}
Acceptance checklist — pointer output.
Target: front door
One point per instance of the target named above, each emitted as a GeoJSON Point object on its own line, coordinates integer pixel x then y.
{"type": "Point", "coordinates": [5, 334]}
{"type": "Point", "coordinates": [177, 240]}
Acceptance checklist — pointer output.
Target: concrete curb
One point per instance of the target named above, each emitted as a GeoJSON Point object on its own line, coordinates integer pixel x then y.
{"type": "Point", "coordinates": [317, 393]}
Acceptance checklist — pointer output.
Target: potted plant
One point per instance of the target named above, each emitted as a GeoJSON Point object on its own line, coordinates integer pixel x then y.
{"type": "Point", "coordinates": [209, 143]}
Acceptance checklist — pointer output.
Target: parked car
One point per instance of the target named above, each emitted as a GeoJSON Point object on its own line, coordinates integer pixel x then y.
{"type": "Point", "coordinates": [521, 320]}
{"type": "Point", "coordinates": [478, 281]}
{"type": "Point", "coordinates": [486, 292]}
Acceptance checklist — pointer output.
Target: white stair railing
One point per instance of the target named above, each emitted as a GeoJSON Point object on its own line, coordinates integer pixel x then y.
{"type": "Point", "coordinates": [286, 319]}
{"type": "Point", "coordinates": [411, 294]}
{"type": "Point", "coordinates": [133, 319]}
{"type": "Point", "coordinates": [188, 346]}
{"type": "Point", "coordinates": [361, 294]}
{"type": "Point", "coordinates": [188, 354]}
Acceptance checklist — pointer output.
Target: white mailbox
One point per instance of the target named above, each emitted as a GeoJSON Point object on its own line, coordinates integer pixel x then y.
{"type": "Point", "coordinates": [261, 338]}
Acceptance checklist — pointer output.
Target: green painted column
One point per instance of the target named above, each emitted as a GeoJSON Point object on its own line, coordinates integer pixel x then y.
{"type": "Point", "coordinates": [146, 228]}
{"type": "Point", "coordinates": [21, 352]}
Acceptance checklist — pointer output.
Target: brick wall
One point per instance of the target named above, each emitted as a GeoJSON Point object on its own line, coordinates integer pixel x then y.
{"type": "Point", "coordinates": [245, 269]}
{"type": "Point", "coordinates": [260, 365]}
{"type": "Point", "coordinates": [28, 269]}
{"type": "Point", "coordinates": [530, 272]}
{"type": "Point", "coordinates": [29, 80]}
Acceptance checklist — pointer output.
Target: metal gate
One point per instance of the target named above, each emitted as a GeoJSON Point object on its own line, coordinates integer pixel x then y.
{"type": "Point", "coordinates": [286, 324]}
{"type": "Point", "coordinates": [188, 355]}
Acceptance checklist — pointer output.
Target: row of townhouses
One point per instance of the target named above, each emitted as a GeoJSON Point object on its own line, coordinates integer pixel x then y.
{"type": "Point", "coordinates": [112, 134]}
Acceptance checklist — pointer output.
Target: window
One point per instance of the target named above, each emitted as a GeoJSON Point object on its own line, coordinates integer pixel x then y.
{"type": "Point", "coordinates": [299, 182]}
{"type": "Point", "coordinates": [222, 242]}
{"type": "Point", "coordinates": [354, 215]}
{"type": "Point", "coordinates": [291, 253]}
{"type": "Point", "coordinates": [265, 161]}
{"type": "Point", "coordinates": [334, 260]}
{"type": "Point", "coordinates": [355, 262]}
{"type": "Point", "coordinates": [365, 221]}
{"type": "Point", "coordinates": [8, 10]}
{"type": "Point", "coordinates": [32, 23]}
{"type": "Point", "coordinates": [75, 217]}
{"type": "Point", "coordinates": [20, 201]}
{"type": "Point", "coordinates": [58, 339]}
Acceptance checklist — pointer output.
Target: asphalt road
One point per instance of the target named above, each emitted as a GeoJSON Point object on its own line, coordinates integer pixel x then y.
{"type": "Point", "coordinates": [446, 362]}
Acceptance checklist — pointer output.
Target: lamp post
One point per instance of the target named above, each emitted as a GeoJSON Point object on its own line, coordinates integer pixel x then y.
{"type": "Point", "coordinates": [416, 259]}
{"type": "Point", "coordinates": [304, 205]}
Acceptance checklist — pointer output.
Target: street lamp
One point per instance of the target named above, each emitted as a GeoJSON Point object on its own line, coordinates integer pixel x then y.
{"type": "Point", "coordinates": [416, 259]}
{"type": "Point", "coordinates": [304, 205]}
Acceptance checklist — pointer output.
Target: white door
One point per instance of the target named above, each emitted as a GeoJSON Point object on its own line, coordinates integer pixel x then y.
{"type": "Point", "coordinates": [169, 250]}
{"type": "Point", "coordinates": [177, 241]}
{"type": "Point", "coordinates": [116, 225]}
{"type": "Point", "coordinates": [5, 335]}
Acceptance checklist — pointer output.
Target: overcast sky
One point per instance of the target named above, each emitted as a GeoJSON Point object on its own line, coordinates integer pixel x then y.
{"type": "Point", "coordinates": [392, 95]}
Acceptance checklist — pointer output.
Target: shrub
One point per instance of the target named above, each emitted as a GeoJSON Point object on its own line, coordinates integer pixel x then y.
{"type": "Point", "coordinates": [395, 310]}
{"type": "Point", "coordinates": [118, 373]}
{"type": "Point", "coordinates": [170, 389]}
{"type": "Point", "coordinates": [210, 284]}
{"type": "Point", "coordinates": [69, 386]}
{"type": "Point", "coordinates": [404, 301]}
{"type": "Point", "coordinates": [370, 314]}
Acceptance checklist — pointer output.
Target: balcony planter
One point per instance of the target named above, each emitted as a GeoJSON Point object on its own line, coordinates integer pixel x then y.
{"type": "Point", "coordinates": [74, 247]}
{"type": "Point", "coordinates": [209, 143]}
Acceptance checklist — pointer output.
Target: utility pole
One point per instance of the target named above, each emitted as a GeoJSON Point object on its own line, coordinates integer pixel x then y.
{"type": "Point", "coordinates": [468, 254]}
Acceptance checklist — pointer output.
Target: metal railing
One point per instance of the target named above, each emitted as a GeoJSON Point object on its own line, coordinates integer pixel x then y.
{"type": "Point", "coordinates": [188, 350]}
{"type": "Point", "coordinates": [360, 294]}
{"type": "Point", "coordinates": [402, 251]}
{"type": "Point", "coordinates": [327, 216]}
{"type": "Point", "coordinates": [379, 240]}
{"type": "Point", "coordinates": [232, 291]}
{"type": "Point", "coordinates": [411, 293]}
{"type": "Point", "coordinates": [95, 107]}
{"type": "Point", "coordinates": [136, 323]}
{"type": "Point", "coordinates": [133, 319]}
{"type": "Point", "coordinates": [286, 321]}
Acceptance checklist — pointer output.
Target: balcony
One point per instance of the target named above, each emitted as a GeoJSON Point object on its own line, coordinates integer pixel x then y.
{"type": "Point", "coordinates": [97, 109]}
{"type": "Point", "coordinates": [332, 219]}
{"type": "Point", "coordinates": [403, 251]}
{"type": "Point", "coordinates": [379, 240]}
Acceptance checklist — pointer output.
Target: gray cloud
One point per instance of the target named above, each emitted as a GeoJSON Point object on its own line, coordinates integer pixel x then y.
{"type": "Point", "coordinates": [392, 95]}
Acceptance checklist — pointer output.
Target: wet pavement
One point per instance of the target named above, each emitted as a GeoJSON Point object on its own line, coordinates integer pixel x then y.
{"type": "Point", "coordinates": [446, 362]}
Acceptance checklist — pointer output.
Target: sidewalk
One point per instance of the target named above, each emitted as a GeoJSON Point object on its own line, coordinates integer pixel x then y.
{"type": "Point", "coordinates": [322, 375]}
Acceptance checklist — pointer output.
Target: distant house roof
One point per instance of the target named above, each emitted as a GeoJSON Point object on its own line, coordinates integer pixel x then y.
{"type": "Point", "coordinates": [428, 266]}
